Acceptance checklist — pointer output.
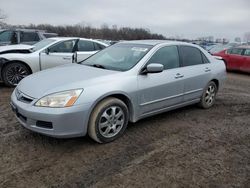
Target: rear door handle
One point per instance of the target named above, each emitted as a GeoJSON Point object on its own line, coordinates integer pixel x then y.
{"type": "Point", "coordinates": [178, 75]}
{"type": "Point", "coordinates": [207, 69]}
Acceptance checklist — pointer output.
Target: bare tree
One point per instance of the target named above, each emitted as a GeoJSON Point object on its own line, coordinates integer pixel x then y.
{"type": "Point", "coordinates": [2, 18]}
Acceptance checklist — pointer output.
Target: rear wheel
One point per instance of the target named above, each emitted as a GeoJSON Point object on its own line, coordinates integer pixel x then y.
{"type": "Point", "coordinates": [13, 73]}
{"type": "Point", "coordinates": [108, 120]}
{"type": "Point", "coordinates": [209, 95]}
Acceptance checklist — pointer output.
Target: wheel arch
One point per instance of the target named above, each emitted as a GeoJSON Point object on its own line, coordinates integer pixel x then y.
{"type": "Point", "coordinates": [216, 81]}
{"type": "Point", "coordinates": [14, 61]}
{"type": "Point", "coordinates": [119, 95]}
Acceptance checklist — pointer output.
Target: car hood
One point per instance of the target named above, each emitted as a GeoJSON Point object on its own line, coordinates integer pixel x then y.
{"type": "Point", "coordinates": [63, 78]}
{"type": "Point", "coordinates": [15, 48]}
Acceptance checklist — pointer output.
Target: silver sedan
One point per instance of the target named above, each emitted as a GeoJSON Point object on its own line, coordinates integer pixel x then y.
{"type": "Point", "coordinates": [122, 83]}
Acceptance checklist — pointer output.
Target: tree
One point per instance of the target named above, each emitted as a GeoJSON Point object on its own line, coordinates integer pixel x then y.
{"type": "Point", "coordinates": [2, 18]}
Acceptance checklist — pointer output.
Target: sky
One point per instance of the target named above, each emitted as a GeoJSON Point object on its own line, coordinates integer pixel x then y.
{"type": "Point", "coordinates": [183, 18]}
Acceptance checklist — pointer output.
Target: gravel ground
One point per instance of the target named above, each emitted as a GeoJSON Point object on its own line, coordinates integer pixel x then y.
{"type": "Point", "coordinates": [188, 147]}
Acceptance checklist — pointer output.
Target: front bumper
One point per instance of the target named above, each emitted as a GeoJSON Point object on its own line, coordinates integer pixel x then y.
{"type": "Point", "coordinates": [65, 122]}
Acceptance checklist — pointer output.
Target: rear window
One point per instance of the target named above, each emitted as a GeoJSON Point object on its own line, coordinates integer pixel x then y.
{"type": "Point", "coordinates": [190, 56]}
{"type": "Point", "coordinates": [235, 51]}
{"type": "Point", "coordinates": [247, 52]}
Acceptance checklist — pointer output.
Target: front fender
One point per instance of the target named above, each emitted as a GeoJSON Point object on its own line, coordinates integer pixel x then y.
{"type": "Point", "coordinates": [3, 61]}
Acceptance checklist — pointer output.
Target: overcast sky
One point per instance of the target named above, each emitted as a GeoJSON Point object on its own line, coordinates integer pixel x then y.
{"type": "Point", "coordinates": [185, 18]}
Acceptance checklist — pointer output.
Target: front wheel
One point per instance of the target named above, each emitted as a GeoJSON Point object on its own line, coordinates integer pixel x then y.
{"type": "Point", "coordinates": [209, 95]}
{"type": "Point", "coordinates": [108, 120]}
{"type": "Point", "coordinates": [13, 73]}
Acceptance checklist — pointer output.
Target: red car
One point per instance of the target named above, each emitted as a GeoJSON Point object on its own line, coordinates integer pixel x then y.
{"type": "Point", "coordinates": [237, 58]}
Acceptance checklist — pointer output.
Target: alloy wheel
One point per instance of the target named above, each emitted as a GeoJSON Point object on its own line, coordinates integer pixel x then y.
{"type": "Point", "coordinates": [15, 73]}
{"type": "Point", "coordinates": [111, 121]}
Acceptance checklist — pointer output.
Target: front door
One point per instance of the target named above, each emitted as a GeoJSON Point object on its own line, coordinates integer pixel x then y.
{"type": "Point", "coordinates": [58, 54]}
{"type": "Point", "coordinates": [157, 91]}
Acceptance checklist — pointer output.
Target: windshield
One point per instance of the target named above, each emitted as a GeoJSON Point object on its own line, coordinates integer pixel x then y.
{"type": "Point", "coordinates": [5, 36]}
{"type": "Point", "coordinates": [42, 44]}
{"type": "Point", "coordinates": [119, 57]}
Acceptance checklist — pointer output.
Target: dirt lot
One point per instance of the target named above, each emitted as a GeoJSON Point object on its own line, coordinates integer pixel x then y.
{"type": "Point", "coordinates": [189, 147]}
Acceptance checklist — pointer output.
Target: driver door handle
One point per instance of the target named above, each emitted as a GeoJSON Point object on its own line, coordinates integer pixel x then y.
{"type": "Point", "coordinates": [207, 69]}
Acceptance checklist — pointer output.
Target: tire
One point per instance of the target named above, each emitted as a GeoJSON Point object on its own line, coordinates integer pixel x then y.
{"type": "Point", "coordinates": [105, 127]}
{"type": "Point", "coordinates": [209, 95]}
{"type": "Point", "coordinates": [13, 73]}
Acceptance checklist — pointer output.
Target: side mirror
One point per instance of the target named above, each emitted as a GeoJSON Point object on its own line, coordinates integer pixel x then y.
{"type": "Point", "coordinates": [153, 68]}
{"type": "Point", "coordinates": [47, 51]}
{"type": "Point", "coordinates": [74, 57]}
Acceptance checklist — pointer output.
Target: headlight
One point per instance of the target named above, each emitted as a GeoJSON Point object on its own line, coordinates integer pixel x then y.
{"type": "Point", "coordinates": [60, 99]}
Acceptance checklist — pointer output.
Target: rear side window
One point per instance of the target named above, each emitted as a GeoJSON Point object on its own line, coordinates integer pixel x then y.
{"type": "Point", "coordinates": [247, 52]}
{"type": "Point", "coordinates": [190, 56]}
{"type": "Point", "coordinates": [29, 36]}
{"type": "Point", "coordinates": [167, 56]}
{"type": "Point", "coordinates": [85, 46]}
{"type": "Point", "coordinates": [98, 46]}
{"type": "Point", "coordinates": [235, 51]}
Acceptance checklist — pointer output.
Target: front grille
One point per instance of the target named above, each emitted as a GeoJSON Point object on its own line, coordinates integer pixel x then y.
{"type": "Point", "coordinates": [44, 124]}
{"type": "Point", "coordinates": [23, 97]}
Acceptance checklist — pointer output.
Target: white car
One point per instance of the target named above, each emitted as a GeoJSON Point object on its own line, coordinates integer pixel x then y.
{"type": "Point", "coordinates": [18, 62]}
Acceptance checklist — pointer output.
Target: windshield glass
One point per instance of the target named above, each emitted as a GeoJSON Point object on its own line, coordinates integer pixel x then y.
{"type": "Point", "coordinates": [42, 44]}
{"type": "Point", "coordinates": [5, 36]}
{"type": "Point", "coordinates": [119, 57]}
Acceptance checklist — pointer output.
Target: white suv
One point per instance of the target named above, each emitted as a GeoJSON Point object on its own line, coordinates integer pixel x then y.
{"type": "Point", "coordinates": [48, 53]}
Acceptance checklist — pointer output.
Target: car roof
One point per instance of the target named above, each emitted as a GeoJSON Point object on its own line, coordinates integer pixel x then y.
{"type": "Point", "coordinates": [244, 46]}
{"type": "Point", "coordinates": [157, 42]}
{"type": "Point", "coordinates": [72, 38]}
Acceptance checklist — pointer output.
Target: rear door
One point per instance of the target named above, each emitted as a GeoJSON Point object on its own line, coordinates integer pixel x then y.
{"type": "Point", "coordinates": [196, 69]}
{"type": "Point", "coordinates": [59, 54]}
{"type": "Point", "coordinates": [235, 59]}
{"type": "Point", "coordinates": [161, 90]}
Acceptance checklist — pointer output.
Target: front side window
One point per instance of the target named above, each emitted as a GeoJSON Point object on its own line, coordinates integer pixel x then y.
{"type": "Point", "coordinates": [29, 37]}
{"type": "Point", "coordinates": [6, 36]}
{"type": "Point", "coordinates": [85, 46]}
{"type": "Point", "coordinates": [63, 47]}
{"type": "Point", "coordinates": [247, 52]}
{"type": "Point", "coordinates": [167, 56]}
{"type": "Point", "coordinates": [119, 57]}
{"type": "Point", "coordinates": [190, 56]}
{"type": "Point", "coordinates": [235, 51]}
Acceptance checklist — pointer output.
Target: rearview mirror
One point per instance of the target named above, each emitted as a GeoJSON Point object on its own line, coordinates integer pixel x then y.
{"type": "Point", "coordinates": [153, 68]}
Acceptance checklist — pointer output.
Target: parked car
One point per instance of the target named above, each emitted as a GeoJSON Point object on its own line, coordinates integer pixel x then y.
{"type": "Point", "coordinates": [237, 58]}
{"type": "Point", "coordinates": [23, 36]}
{"type": "Point", "coordinates": [125, 82]}
{"type": "Point", "coordinates": [19, 63]}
